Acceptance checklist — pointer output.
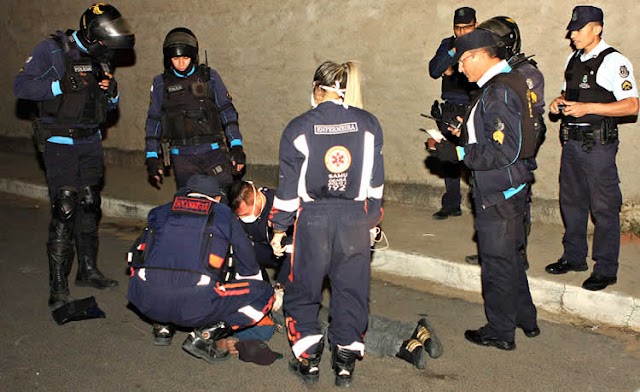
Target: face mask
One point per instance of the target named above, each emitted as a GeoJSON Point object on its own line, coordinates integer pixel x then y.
{"type": "Point", "coordinates": [253, 217]}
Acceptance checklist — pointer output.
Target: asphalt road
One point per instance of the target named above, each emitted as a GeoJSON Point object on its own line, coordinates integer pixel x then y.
{"type": "Point", "coordinates": [116, 353]}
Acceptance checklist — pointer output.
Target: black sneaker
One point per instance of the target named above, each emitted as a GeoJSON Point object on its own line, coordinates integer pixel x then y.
{"type": "Point", "coordinates": [445, 213]}
{"type": "Point", "coordinates": [163, 334]}
{"type": "Point", "coordinates": [426, 335]}
{"type": "Point", "coordinates": [412, 351]}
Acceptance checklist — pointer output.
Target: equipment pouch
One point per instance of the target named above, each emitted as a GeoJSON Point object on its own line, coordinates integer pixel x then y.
{"type": "Point", "coordinates": [166, 153]}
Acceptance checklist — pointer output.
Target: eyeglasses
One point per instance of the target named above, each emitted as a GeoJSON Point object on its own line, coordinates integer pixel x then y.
{"type": "Point", "coordinates": [462, 60]}
{"type": "Point", "coordinates": [461, 28]}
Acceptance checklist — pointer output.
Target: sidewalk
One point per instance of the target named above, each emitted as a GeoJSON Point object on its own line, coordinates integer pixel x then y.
{"type": "Point", "coordinates": [420, 247]}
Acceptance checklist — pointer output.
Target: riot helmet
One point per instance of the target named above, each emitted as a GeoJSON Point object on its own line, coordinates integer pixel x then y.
{"type": "Point", "coordinates": [103, 29]}
{"type": "Point", "coordinates": [180, 42]}
{"type": "Point", "coordinates": [508, 32]}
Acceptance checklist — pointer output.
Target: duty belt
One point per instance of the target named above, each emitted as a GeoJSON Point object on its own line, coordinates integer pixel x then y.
{"type": "Point", "coordinates": [74, 133]}
{"type": "Point", "coordinates": [195, 140]}
{"type": "Point", "coordinates": [581, 132]}
{"type": "Point", "coordinates": [459, 109]}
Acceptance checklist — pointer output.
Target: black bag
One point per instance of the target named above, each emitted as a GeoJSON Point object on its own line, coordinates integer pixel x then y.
{"type": "Point", "coordinates": [80, 309]}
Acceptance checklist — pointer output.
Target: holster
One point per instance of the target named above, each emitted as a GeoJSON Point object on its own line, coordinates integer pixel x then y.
{"type": "Point", "coordinates": [40, 135]}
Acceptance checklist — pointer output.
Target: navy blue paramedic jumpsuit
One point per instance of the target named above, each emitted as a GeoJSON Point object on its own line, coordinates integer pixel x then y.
{"type": "Point", "coordinates": [174, 280]}
{"type": "Point", "coordinates": [331, 177]}
{"type": "Point", "coordinates": [204, 152]}
{"type": "Point", "coordinates": [500, 198]}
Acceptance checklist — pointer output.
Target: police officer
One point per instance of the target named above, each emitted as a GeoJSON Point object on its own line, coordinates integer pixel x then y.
{"type": "Point", "coordinates": [181, 275]}
{"type": "Point", "coordinates": [599, 87]}
{"type": "Point", "coordinates": [253, 206]}
{"type": "Point", "coordinates": [508, 35]}
{"type": "Point", "coordinates": [494, 144]}
{"type": "Point", "coordinates": [192, 114]}
{"type": "Point", "coordinates": [456, 94]}
{"type": "Point", "coordinates": [331, 177]}
{"type": "Point", "coordinates": [70, 75]}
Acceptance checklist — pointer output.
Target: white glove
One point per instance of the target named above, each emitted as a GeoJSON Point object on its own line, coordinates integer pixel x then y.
{"type": "Point", "coordinates": [277, 304]}
{"type": "Point", "coordinates": [276, 243]}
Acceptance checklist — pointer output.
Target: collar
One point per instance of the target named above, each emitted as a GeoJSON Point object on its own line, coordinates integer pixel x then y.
{"type": "Point", "coordinates": [78, 42]}
{"type": "Point", "coordinates": [501, 67]}
{"type": "Point", "coordinates": [193, 69]}
{"type": "Point", "coordinates": [595, 52]}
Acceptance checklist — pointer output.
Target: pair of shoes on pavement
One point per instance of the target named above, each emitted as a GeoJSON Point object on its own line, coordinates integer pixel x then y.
{"type": "Point", "coordinates": [595, 282]}
{"type": "Point", "coordinates": [445, 213]}
{"type": "Point", "coordinates": [423, 339]}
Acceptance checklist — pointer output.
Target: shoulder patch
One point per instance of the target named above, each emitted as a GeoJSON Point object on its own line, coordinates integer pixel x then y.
{"type": "Point", "coordinates": [624, 72]}
{"type": "Point", "coordinates": [626, 85]}
{"type": "Point", "coordinates": [498, 136]}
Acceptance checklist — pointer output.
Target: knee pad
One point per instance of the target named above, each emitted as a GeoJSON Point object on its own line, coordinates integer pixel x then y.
{"type": "Point", "coordinates": [64, 206]}
{"type": "Point", "coordinates": [89, 198]}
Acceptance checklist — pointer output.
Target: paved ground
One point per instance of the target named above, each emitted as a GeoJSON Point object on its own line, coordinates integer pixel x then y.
{"type": "Point", "coordinates": [116, 354]}
{"type": "Point", "coordinates": [420, 248]}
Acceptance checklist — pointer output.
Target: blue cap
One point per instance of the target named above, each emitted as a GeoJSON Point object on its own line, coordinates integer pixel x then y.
{"type": "Point", "coordinates": [207, 185]}
{"type": "Point", "coordinates": [584, 14]}
{"type": "Point", "coordinates": [476, 39]}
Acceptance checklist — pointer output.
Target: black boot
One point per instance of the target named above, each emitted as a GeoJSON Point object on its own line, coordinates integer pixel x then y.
{"type": "Point", "coordinates": [201, 343]}
{"type": "Point", "coordinates": [308, 369]}
{"type": "Point", "coordinates": [60, 255]}
{"type": "Point", "coordinates": [86, 236]}
{"type": "Point", "coordinates": [343, 363]}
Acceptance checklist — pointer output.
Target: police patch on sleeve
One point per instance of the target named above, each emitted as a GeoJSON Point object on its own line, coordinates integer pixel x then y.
{"type": "Point", "coordinates": [624, 72]}
{"type": "Point", "coordinates": [529, 83]}
{"type": "Point", "coordinates": [498, 124]}
{"type": "Point", "coordinates": [498, 136]}
{"type": "Point", "coordinates": [337, 159]}
{"type": "Point", "coordinates": [626, 85]}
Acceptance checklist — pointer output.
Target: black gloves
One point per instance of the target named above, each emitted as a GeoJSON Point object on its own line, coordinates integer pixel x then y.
{"type": "Point", "coordinates": [435, 110]}
{"type": "Point", "coordinates": [237, 155]}
{"type": "Point", "coordinates": [153, 164]}
{"type": "Point", "coordinates": [112, 90]}
{"type": "Point", "coordinates": [72, 83]}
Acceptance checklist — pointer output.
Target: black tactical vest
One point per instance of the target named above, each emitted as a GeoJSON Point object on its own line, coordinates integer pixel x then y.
{"type": "Point", "coordinates": [582, 87]}
{"type": "Point", "coordinates": [88, 106]}
{"type": "Point", "coordinates": [189, 112]}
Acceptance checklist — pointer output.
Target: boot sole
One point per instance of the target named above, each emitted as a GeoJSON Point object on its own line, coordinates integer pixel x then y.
{"type": "Point", "coordinates": [84, 283]}
{"type": "Point", "coordinates": [308, 379]}
{"type": "Point", "coordinates": [199, 354]}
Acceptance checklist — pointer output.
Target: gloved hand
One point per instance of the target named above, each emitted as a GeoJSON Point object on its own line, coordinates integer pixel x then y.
{"type": "Point", "coordinates": [435, 110]}
{"type": "Point", "coordinates": [154, 171]}
{"type": "Point", "coordinates": [238, 157]}
{"type": "Point", "coordinates": [73, 82]}
{"type": "Point", "coordinates": [112, 89]}
{"type": "Point", "coordinates": [279, 290]}
{"type": "Point", "coordinates": [276, 243]}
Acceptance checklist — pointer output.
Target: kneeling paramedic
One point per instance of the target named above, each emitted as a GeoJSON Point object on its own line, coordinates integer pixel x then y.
{"type": "Point", "coordinates": [182, 271]}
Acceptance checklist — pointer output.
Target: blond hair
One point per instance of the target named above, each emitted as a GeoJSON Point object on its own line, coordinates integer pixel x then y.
{"type": "Point", "coordinates": [343, 78]}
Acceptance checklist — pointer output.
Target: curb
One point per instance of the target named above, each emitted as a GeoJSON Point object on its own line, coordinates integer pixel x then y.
{"type": "Point", "coordinates": [603, 307]}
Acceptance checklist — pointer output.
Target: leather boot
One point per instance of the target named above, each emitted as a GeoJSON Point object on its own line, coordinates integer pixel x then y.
{"type": "Point", "coordinates": [308, 368]}
{"type": "Point", "coordinates": [90, 276]}
{"type": "Point", "coordinates": [201, 343]}
{"type": "Point", "coordinates": [60, 254]}
{"type": "Point", "coordinates": [86, 236]}
{"type": "Point", "coordinates": [343, 363]}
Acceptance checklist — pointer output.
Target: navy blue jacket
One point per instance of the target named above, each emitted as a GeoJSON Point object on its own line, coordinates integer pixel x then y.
{"type": "Point", "coordinates": [497, 120]}
{"type": "Point", "coordinates": [456, 88]}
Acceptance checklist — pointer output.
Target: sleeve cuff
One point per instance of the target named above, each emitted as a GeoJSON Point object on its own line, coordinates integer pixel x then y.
{"type": "Point", "coordinates": [460, 152]}
{"type": "Point", "coordinates": [151, 154]}
{"type": "Point", "coordinates": [236, 142]}
{"type": "Point", "coordinates": [451, 53]}
{"type": "Point", "coordinates": [55, 88]}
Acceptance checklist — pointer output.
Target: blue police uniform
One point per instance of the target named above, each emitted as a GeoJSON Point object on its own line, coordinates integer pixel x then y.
{"type": "Point", "coordinates": [202, 125]}
{"type": "Point", "coordinates": [179, 265]}
{"type": "Point", "coordinates": [456, 94]}
{"type": "Point", "coordinates": [73, 155]}
{"type": "Point", "coordinates": [500, 197]}
{"type": "Point", "coordinates": [589, 179]}
{"type": "Point", "coordinates": [260, 234]}
{"type": "Point", "coordinates": [331, 177]}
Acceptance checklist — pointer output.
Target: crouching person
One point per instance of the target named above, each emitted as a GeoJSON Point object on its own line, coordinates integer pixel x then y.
{"type": "Point", "coordinates": [194, 267]}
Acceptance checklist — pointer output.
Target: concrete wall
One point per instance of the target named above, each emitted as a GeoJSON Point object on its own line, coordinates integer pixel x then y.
{"type": "Point", "coordinates": [267, 51]}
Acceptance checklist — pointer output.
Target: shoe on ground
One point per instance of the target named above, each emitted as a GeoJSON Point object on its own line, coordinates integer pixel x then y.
{"type": "Point", "coordinates": [477, 336]}
{"type": "Point", "coordinates": [425, 333]}
{"type": "Point", "coordinates": [163, 334]}
{"type": "Point", "coordinates": [412, 351]}
{"type": "Point", "coordinates": [206, 349]}
{"type": "Point", "coordinates": [598, 282]}
{"type": "Point", "coordinates": [472, 259]}
{"type": "Point", "coordinates": [562, 266]}
{"type": "Point", "coordinates": [531, 333]}
{"type": "Point", "coordinates": [444, 213]}
{"type": "Point", "coordinates": [308, 370]}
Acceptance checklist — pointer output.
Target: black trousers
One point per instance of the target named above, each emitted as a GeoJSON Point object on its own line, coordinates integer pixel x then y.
{"type": "Point", "coordinates": [505, 288]}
